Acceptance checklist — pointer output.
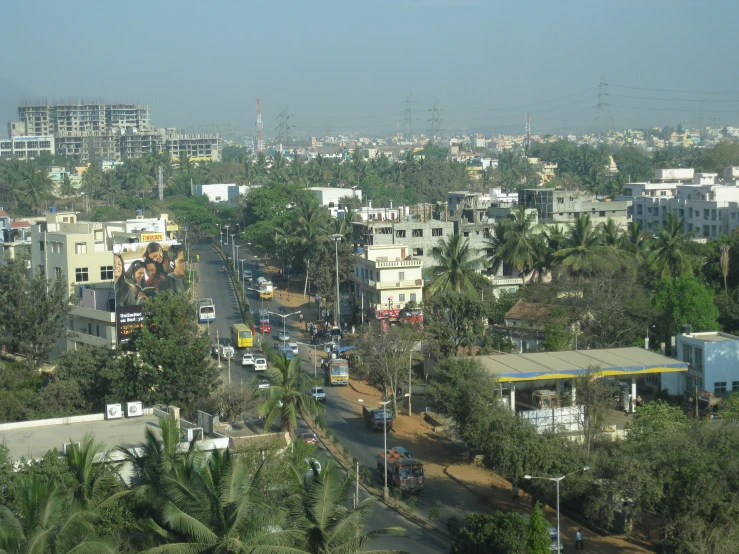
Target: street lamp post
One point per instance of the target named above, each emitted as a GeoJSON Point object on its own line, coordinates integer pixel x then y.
{"type": "Point", "coordinates": [557, 480]}
{"type": "Point", "coordinates": [236, 258]}
{"type": "Point", "coordinates": [410, 370]}
{"type": "Point", "coordinates": [220, 230]}
{"type": "Point", "coordinates": [336, 238]}
{"type": "Point", "coordinates": [315, 355]}
{"type": "Point", "coordinates": [226, 226]}
{"type": "Point", "coordinates": [233, 253]}
{"type": "Point", "coordinates": [284, 322]}
{"type": "Point", "coordinates": [385, 490]}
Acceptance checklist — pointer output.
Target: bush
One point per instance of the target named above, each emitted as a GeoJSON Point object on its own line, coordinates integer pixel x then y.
{"type": "Point", "coordinates": [434, 515]}
{"type": "Point", "coordinates": [347, 452]}
{"type": "Point", "coordinates": [397, 494]}
{"type": "Point", "coordinates": [365, 475]}
{"type": "Point", "coordinates": [411, 502]}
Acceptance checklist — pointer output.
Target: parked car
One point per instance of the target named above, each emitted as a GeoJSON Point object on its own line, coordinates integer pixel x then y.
{"type": "Point", "coordinates": [263, 384]}
{"type": "Point", "coordinates": [318, 393]}
{"type": "Point", "coordinates": [309, 438]}
{"type": "Point", "coordinates": [312, 463]}
{"type": "Point", "coordinates": [260, 364]}
{"type": "Point", "coordinates": [247, 360]}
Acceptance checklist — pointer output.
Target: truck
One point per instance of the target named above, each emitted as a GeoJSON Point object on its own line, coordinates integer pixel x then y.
{"type": "Point", "coordinates": [337, 372]}
{"type": "Point", "coordinates": [266, 290]}
{"type": "Point", "coordinates": [403, 473]}
{"type": "Point", "coordinates": [377, 418]}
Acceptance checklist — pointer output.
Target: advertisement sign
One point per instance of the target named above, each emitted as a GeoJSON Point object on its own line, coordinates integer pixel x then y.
{"type": "Point", "coordinates": [140, 271]}
{"type": "Point", "coordinates": [149, 237]}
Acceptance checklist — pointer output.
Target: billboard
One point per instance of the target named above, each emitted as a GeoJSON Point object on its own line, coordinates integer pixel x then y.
{"type": "Point", "coordinates": [140, 271]}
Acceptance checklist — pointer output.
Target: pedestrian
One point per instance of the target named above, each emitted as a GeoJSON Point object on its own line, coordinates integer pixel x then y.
{"type": "Point", "coordinates": [354, 329]}
{"type": "Point", "coordinates": [514, 492]}
{"type": "Point", "coordinates": [578, 540]}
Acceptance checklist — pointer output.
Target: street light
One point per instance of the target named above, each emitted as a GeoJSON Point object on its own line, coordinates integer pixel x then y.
{"type": "Point", "coordinates": [236, 257]}
{"type": "Point", "coordinates": [336, 238]}
{"type": "Point", "coordinates": [385, 490]}
{"type": "Point", "coordinates": [410, 370]}
{"type": "Point", "coordinates": [226, 226]}
{"type": "Point", "coordinates": [232, 245]}
{"type": "Point", "coordinates": [557, 480]}
{"type": "Point", "coordinates": [646, 342]}
{"type": "Point", "coordinates": [220, 230]}
{"type": "Point", "coordinates": [284, 320]}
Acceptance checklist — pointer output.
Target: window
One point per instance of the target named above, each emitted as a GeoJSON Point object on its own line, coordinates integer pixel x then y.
{"type": "Point", "coordinates": [466, 233]}
{"type": "Point", "coordinates": [80, 248]}
{"type": "Point", "coordinates": [41, 245]}
{"type": "Point", "coordinates": [418, 251]}
{"type": "Point", "coordinates": [439, 232]}
{"type": "Point", "coordinates": [58, 272]}
{"type": "Point", "coordinates": [560, 200]}
{"type": "Point", "coordinates": [706, 213]}
{"type": "Point", "coordinates": [735, 386]}
{"type": "Point", "coordinates": [401, 275]}
{"type": "Point", "coordinates": [719, 387]}
{"type": "Point", "coordinates": [417, 233]}
{"type": "Point", "coordinates": [601, 214]}
{"type": "Point", "coordinates": [401, 298]}
{"type": "Point", "coordinates": [698, 359]}
{"type": "Point", "coordinates": [106, 272]}
{"type": "Point", "coordinates": [400, 233]}
{"type": "Point", "coordinates": [81, 275]}
{"type": "Point", "coordinates": [681, 212]}
{"type": "Point", "coordinates": [687, 353]}
{"type": "Point", "coordinates": [413, 299]}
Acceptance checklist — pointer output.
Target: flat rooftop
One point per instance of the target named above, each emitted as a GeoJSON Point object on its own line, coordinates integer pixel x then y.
{"type": "Point", "coordinates": [711, 337]}
{"type": "Point", "coordinates": [32, 442]}
{"type": "Point", "coordinates": [573, 363]}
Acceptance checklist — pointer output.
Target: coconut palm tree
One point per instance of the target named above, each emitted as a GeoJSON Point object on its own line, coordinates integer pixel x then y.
{"type": "Point", "coordinates": [215, 509]}
{"type": "Point", "coordinates": [516, 242]}
{"type": "Point", "coordinates": [36, 190]}
{"type": "Point", "coordinates": [298, 172]}
{"type": "Point", "coordinates": [456, 266]}
{"type": "Point", "coordinates": [288, 396]}
{"type": "Point", "coordinates": [328, 525]}
{"type": "Point", "coordinates": [724, 262]}
{"type": "Point", "coordinates": [610, 233]}
{"type": "Point", "coordinates": [96, 480]}
{"type": "Point", "coordinates": [635, 241]}
{"type": "Point", "coordinates": [552, 239]}
{"type": "Point", "coordinates": [46, 521]}
{"type": "Point", "coordinates": [582, 244]}
{"type": "Point", "coordinates": [309, 231]}
{"type": "Point", "coordinates": [670, 250]}
{"type": "Point", "coordinates": [67, 190]}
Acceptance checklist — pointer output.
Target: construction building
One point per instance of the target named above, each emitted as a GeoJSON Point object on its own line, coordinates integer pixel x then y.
{"type": "Point", "coordinates": [564, 206]}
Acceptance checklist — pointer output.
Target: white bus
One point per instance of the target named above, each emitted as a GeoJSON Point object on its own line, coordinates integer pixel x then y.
{"type": "Point", "coordinates": [206, 310]}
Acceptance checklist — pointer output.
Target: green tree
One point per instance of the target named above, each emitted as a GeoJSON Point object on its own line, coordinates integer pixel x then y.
{"type": "Point", "coordinates": [37, 190]}
{"type": "Point", "coordinates": [516, 242]}
{"type": "Point", "coordinates": [582, 245]}
{"type": "Point", "coordinates": [96, 480]}
{"type": "Point", "coordinates": [33, 312]}
{"type": "Point", "coordinates": [670, 248]}
{"type": "Point", "coordinates": [455, 320]}
{"type": "Point", "coordinates": [685, 300]}
{"type": "Point", "coordinates": [328, 525]}
{"type": "Point", "coordinates": [656, 417]}
{"type": "Point", "coordinates": [288, 396]}
{"type": "Point", "coordinates": [496, 533]}
{"type": "Point", "coordinates": [636, 242]}
{"type": "Point", "coordinates": [455, 268]}
{"type": "Point", "coordinates": [537, 539]}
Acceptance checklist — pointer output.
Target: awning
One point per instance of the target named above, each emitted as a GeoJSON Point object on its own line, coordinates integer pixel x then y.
{"type": "Point", "coordinates": [346, 349]}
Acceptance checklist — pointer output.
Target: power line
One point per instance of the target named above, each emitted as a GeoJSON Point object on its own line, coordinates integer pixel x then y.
{"type": "Point", "coordinates": [408, 117]}
{"type": "Point", "coordinates": [679, 91]}
{"type": "Point", "coordinates": [436, 131]}
{"type": "Point", "coordinates": [699, 100]}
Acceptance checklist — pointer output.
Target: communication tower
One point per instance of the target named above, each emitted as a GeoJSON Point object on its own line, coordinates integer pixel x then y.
{"type": "Point", "coordinates": [260, 127]}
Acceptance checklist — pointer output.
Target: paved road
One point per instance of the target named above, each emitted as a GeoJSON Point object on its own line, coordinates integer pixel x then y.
{"type": "Point", "coordinates": [216, 285]}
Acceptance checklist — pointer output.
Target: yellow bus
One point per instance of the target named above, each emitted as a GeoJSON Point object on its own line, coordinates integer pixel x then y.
{"type": "Point", "coordinates": [242, 336]}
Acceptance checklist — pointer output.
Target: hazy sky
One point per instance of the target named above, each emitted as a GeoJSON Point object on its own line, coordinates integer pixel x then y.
{"type": "Point", "coordinates": [351, 64]}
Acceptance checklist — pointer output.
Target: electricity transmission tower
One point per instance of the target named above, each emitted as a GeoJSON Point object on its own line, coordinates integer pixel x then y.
{"type": "Point", "coordinates": [435, 131]}
{"type": "Point", "coordinates": [283, 125]}
{"type": "Point", "coordinates": [260, 127]}
{"type": "Point", "coordinates": [408, 117]}
{"type": "Point", "coordinates": [603, 116]}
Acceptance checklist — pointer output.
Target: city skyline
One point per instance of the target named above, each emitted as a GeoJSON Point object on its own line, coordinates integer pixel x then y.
{"type": "Point", "coordinates": [349, 69]}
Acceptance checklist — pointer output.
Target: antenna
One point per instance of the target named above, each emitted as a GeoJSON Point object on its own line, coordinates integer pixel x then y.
{"type": "Point", "coordinates": [527, 139]}
{"type": "Point", "coordinates": [260, 126]}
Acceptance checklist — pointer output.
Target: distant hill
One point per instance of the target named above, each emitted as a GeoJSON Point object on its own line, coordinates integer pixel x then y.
{"type": "Point", "coordinates": [12, 94]}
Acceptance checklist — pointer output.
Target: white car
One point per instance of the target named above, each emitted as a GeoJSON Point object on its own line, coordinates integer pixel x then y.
{"type": "Point", "coordinates": [263, 384]}
{"type": "Point", "coordinates": [318, 393]}
{"type": "Point", "coordinates": [283, 336]}
{"type": "Point", "coordinates": [312, 462]}
{"type": "Point", "coordinates": [260, 364]}
{"type": "Point", "coordinates": [247, 360]}
{"type": "Point", "coordinates": [294, 347]}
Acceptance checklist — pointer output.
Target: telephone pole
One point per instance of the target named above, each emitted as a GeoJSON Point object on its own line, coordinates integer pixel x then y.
{"type": "Point", "coordinates": [260, 127]}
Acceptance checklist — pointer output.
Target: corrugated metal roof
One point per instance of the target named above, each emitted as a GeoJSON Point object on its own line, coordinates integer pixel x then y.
{"type": "Point", "coordinates": [571, 363]}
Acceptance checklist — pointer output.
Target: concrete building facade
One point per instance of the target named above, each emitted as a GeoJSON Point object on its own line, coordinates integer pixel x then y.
{"type": "Point", "coordinates": [27, 147]}
{"type": "Point", "coordinates": [563, 206]}
{"type": "Point", "coordinates": [386, 278]}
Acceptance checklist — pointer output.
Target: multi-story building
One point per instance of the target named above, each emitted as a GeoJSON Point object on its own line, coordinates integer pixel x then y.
{"type": "Point", "coordinates": [419, 237]}
{"type": "Point", "coordinates": [136, 144]}
{"type": "Point", "coordinates": [386, 278]}
{"type": "Point", "coordinates": [196, 147]}
{"type": "Point", "coordinates": [563, 206]}
{"type": "Point", "coordinates": [709, 210]}
{"type": "Point", "coordinates": [712, 364]}
{"type": "Point", "coordinates": [127, 115]}
{"type": "Point", "coordinates": [37, 118]}
{"type": "Point", "coordinates": [26, 147]}
{"type": "Point", "coordinates": [81, 253]}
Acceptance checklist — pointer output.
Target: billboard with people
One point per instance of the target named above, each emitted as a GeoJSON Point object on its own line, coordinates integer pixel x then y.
{"type": "Point", "coordinates": [140, 271]}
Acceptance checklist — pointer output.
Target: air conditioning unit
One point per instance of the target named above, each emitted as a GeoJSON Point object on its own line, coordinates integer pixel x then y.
{"type": "Point", "coordinates": [113, 411]}
{"type": "Point", "coordinates": [195, 434]}
{"type": "Point", "coordinates": [134, 409]}
{"type": "Point", "coordinates": [67, 447]}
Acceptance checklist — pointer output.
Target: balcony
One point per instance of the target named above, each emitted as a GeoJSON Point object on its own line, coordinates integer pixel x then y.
{"type": "Point", "coordinates": [382, 263]}
{"type": "Point", "coordinates": [386, 285]}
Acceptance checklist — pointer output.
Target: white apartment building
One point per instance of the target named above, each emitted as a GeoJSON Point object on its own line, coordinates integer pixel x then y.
{"type": "Point", "coordinates": [713, 364]}
{"type": "Point", "coordinates": [330, 196]}
{"type": "Point", "coordinates": [222, 193]}
{"type": "Point", "coordinates": [26, 147]}
{"type": "Point", "coordinates": [709, 210]}
{"type": "Point", "coordinates": [386, 278]}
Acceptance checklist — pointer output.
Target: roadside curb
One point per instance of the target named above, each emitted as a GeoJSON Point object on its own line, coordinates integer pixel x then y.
{"type": "Point", "coordinates": [231, 280]}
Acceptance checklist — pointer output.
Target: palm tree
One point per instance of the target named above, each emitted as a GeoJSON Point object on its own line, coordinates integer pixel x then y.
{"type": "Point", "coordinates": [581, 245]}
{"type": "Point", "coordinates": [456, 265]}
{"type": "Point", "coordinates": [288, 396]}
{"type": "Point", "coordinates": [96, 480]}
{"type": "Point", "coordinates": [67, 190]}
{"type": "Point", "coordinates": [610, 233]}
{"type": "Point", "coordinates": [724, 262]}
{"type": "Point", "coordinates": [298, 172]}
{"type": "Point", "coordinates": [328, 525]}
{"type": "Point", "coordinates": [635, 241]}
{"type": "Point", "coordinates": [670, 252]}
{"type": "Point", "coordinates": [516, 242]}
{"type": "Point", "coordinates": [214, 509]}
{"type": "Point", "coordinates": [310, 230]}
{"type": "Point", "coordinates": [279, 168]}
{"type": "Point", "coordinates": [37, 189]}
{"type": "Point", "coordinates": [47, 521]}
{"type": "Point", "coordinates": [552, 239]}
